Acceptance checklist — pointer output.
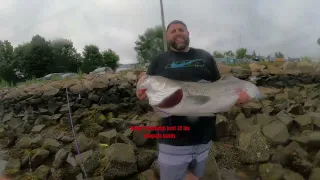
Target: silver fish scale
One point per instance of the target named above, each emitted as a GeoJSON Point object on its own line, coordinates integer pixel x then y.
{"type": "Point", "coordinates": [209, 89]}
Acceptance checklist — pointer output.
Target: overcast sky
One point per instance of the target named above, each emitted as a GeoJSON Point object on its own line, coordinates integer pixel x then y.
{"type": "Point", "coordinates": [289, 26]}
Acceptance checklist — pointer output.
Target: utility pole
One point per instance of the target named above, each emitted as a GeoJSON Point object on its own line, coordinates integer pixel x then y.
{"type": "Point", "coordinates": [163, 28]}
{"type": "Point", "coordinates": [240, 41]}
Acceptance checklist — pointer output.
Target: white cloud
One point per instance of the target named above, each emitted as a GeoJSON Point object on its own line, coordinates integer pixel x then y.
{"type": "Point", "coordinates": [289, 26]}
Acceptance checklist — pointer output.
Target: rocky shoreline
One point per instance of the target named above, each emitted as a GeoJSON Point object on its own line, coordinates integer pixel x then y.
{"type": "Point", "coordinates": [276, 138]}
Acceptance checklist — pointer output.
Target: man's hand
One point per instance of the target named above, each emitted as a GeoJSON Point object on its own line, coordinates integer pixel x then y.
{"type": "Point", "coordinates": [243, 98]}
{"type": "Point", "coordinates": [141, 93]}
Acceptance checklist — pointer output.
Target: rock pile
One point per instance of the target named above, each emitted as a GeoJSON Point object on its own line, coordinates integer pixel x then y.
{"type": "Point", "coordinates": [36, 131]}
{"type": "Point", "coordinates": [276, 138]}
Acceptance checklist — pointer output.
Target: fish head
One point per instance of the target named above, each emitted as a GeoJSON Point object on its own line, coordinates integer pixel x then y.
{"type": "Point", "coordinates": [162, 92]}
{"type": "Point", "coordinates": [253, 91]}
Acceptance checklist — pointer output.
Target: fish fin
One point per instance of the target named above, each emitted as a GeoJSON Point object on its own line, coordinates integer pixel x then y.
{"type": "Point", "coordinates": [198, 99]}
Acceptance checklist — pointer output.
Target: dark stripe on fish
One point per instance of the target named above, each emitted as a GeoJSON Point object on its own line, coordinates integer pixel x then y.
{"type": "Point", "coordinates": [172, 100]}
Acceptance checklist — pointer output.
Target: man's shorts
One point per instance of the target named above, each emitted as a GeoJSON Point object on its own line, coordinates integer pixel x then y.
{"type": "Point", "coordinates": [174, 161]}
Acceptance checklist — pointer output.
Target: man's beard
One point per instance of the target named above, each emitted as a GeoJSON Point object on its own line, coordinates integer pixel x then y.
{"type": "Point", "coordinates": [179, 46]}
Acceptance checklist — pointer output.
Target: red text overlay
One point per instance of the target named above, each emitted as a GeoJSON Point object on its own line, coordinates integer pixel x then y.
{"type": "Point", "coordinates": [160, 128]}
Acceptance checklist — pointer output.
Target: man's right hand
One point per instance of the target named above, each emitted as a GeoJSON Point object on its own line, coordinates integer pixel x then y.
{"type": "Point", "coordinates": [141, 93]}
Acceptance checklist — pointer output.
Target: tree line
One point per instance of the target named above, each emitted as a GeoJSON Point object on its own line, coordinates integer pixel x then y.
{"type": "Point", "coordinates": [40, 57]}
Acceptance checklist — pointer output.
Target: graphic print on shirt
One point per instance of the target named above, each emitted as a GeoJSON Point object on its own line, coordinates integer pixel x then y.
{"type": "Point", "coordinates": [187, 63]}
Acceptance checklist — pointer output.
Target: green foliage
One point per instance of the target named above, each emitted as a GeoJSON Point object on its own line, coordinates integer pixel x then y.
{"type": "Point", "coordinates": [6, 62]}
{"type": "Point", "coordinates": [110, 58]}
{"type": "Point", "coordinates": [306, 59]}
{"type": "Point", "coordinates": [229, 53]}
{"type": "Point", "coordinates": [149, 44]}
{"type": "Point", "coordinates": [217, 54]}
{"type": "Point", "coordinates": [254, 54]}
{"type": "Point", "coordinates": [65, 56]}
{"type": "Point", "coordinates": [92, 58]}
{"type": "Point", "coordinates": [39, 57]}
{"type": "Point", "coordinates": [279, 55]}
{"type": "Point", "coordinates": [241, 53]}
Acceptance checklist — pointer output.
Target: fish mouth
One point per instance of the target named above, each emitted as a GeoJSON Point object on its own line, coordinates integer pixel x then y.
{"type": "Point", "coordinates": [172, 100]}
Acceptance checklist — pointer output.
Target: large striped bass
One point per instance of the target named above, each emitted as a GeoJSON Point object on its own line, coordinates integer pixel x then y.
{"type": "Point", "coordinates": [182, 98]}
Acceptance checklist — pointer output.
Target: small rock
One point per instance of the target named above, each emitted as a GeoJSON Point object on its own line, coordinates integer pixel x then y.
{"type": "Point", "coordinates": [60, 158]}
{"type": "Point", "coordinates": [290, 175]}
{"type": "Point", "coordinates": [36, 142]}
{"type": "Point", "coordinates": [315, 174]}
{"type": "Point", "coordinates": [84, 144]}
{"type": "Point", "coordinates": [271, 171]}
{"type": "Point", "coordinates": [284, 118]}
{"type": "Point", "coordinates": [253, 147]}
{"type": "Point", "coordinates": [40, 156]}
{"type": "Point", "coordinates": [145, 159]}
{"type": "Point", "coordinates": [80, 158]}
{"type": "Point", "coordinates": [108, 137]}
{"type": "Point", "coordinates": [303, 120]}
{"type": "Point", "coordinates": [243, 123]}
{"type": "Point", "coordinates": [52, 145]}
{"type": "Point", "coordinates": [124, 139]}
{"type": "Point", "coordinates": [42, 172]}
{"type": "Point", "coordinates": [24, 143]}
{"type": "Point", "coordinates": [276, 132]}
{"type": "Point", "coordinates": [7, 117]}
{"type": "Point", "coordinates": [13, 167]}
{"type": "Point", "coordinates": [50, 92]}
{"type": "Point", "coordinates": [264, 119]}
{"type": "Point", "coordinates": [38, 128]}
{"type": "Point", "coordinates": [138, 137]}
{"type": "Point", "coordinates": [120, 161]}
{"type": "Point", "coordinates": [147, 175]}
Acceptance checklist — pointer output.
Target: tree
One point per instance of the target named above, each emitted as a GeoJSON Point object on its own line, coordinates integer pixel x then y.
{"type": "Point", "coordinates": [65, 56]}
{"type": "Point", "coordinates": [254, 54]}
{"type": "Point", "coordinates": [7, 72]}
{"type": "Point", "coordinates": [217, 54]}
{"type": "Point", "coordinates": [92, 58]}
{"type": "Point", "coordinates": [241, 53]}
{"type": "Point", "coordinates": [40, 57]}
{"type": "Point", "coordinates": [229, 53]}
{"type": "Point", "coordinates": [35, 58]}
{"type": "Point", "coordinates": [110, 59]}
{"type": "Point", "coordinates": [279, 55]}
{"type": "Point", "coordinates": [149, 44]}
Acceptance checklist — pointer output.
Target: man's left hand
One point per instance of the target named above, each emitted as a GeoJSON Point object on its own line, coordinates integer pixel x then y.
{"type": "Point", "coordinates": [243, 98]}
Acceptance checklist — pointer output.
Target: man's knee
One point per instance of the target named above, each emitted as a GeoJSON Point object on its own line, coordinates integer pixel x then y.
{"type": "Point", "coordinates": [191, 176]}
{"type": "Point", "coordinates": [172, 172]}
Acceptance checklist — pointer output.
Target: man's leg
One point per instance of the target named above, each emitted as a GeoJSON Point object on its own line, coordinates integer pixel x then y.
{"type": "Point", "coordinates": [173, 167]}
{"type": "Point", "coordinates": [201, 153]}
{"type": "Point", "coordinates": [174, 161]}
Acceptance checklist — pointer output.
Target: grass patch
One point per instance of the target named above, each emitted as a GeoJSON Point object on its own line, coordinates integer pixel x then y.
{"type": "Point", "coordinates": [240, 65]}
{"type": "Point", "coordinates": [268, 63]}
{"type": "Point", "coordinates": [80, 74]}
{"type": "Point", "coordinates": [34, 80]}
{"type": "Point", "coordinates": [5, 84]}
